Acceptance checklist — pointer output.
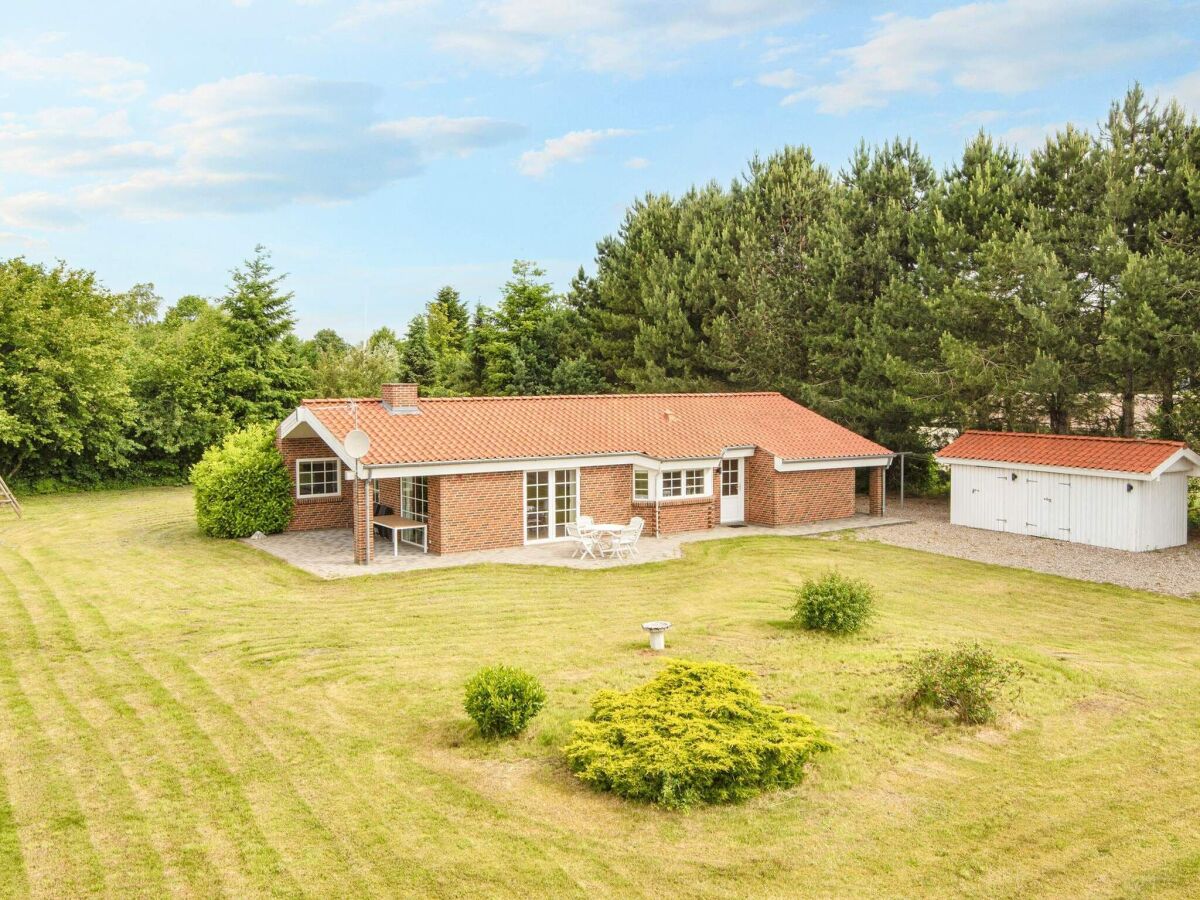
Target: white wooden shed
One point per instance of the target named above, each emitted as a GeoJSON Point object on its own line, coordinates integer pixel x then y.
{"type": "Point", "coordinates": [1109, 492]}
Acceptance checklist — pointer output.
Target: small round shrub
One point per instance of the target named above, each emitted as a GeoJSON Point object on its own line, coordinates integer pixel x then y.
{"type": "Point", "coordinates": [834, 603]}
{"type": "Point", "coordinates": [242, 486]}
{"type": "Point", "coordinates": [502, 700]}
{"type": "Point", "coordinates": [696, 733]}
{"type": "Point", "coordinates": [967, 680]}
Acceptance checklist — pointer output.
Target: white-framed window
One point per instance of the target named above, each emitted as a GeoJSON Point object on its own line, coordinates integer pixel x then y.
{"type": "Point", "coordinates": [684, 483]}
{"type": "Point", "coordinates": [414, 504]}
{"type": "Point", "coordinates": [318, 478]}
{"type": "Point", "coordinates": [551, 503]}
{"type": "Point", "coordinates": [641, 484]}
{"type": "Point", "coordinates": [672, 483]}
{"type": "Point", "coordinates": [414, 498]}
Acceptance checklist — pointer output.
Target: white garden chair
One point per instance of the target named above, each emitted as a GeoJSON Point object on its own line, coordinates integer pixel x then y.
{"type": "Point", "coordinates": [624, 545]}
{"type": "Point", "coordinates": [586, 543]}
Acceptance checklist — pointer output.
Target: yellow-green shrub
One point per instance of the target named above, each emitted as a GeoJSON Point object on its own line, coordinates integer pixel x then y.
{"type": "Point", "coordinates": [242, 486]}
{"type": "Point", "coordinates": [696, 733]}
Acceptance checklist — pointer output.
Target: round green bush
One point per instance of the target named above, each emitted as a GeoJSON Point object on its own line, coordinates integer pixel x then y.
{"type": "Point", "coordinates": [242, 486]}
{"type": "Point", "coordinates": [502, 700]}
{"type": "Point", "coordinates": [834, 603]}
{"type": "Point", "coordinates": [967, 680]}
{"type": "Point", "coordinates": [696, 733]}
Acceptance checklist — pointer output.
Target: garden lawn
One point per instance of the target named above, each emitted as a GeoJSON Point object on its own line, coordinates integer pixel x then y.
{"type": "Point", "coordinates": [183, 715]}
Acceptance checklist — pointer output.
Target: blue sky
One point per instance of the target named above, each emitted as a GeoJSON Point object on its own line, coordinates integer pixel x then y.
{"type": "Point", "coordinates": [382, 148]}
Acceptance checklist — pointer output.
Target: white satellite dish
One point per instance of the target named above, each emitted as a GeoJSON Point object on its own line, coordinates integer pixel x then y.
{"type": "Point", "coordinates": [357, 443]}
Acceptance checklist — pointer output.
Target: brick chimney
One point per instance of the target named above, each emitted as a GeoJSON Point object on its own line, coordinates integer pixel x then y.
{"type": "Point", "coordinates": [400, 398]}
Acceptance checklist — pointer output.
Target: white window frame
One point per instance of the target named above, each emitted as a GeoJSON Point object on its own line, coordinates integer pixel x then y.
{"type": "Point", "coordinates": [414, 536]}
{"type": "Point", "coordinates": [683, 473]}
{"type": "Point", "coordinates": [552, 501]}
{"type": "Point", "coordinates": [337, 481]}
{"type": "Point", "coordinates": [650, 480]}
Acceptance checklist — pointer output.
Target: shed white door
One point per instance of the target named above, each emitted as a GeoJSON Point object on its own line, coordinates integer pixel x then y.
{"type": "Point", "coordinates": [1005, 500]}
{"type": "Point", "coordinates": [1038, 503]}
{"type": "Point", "coordinates": [733, 490]}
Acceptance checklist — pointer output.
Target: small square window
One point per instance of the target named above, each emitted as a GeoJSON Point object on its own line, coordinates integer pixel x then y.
{"type": "Point", "coordinates": [694, 482]}
{"type": "Point", "coordinates": [641, 484]}
{"type": "Point", "coordinates": [318, 478]}
{"type": "Point", "coordinates": [672, 484]}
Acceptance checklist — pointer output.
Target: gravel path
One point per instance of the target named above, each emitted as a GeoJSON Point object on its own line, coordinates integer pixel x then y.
{"type": "Point", "coordinates": [1175, 571]}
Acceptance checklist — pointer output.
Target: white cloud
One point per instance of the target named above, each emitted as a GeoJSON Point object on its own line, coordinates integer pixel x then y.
{"type": "Point", "coordinates": [38, 209]}
{"type": "Point", "coordinates": [22, 240]}
{"type": "Point", "coordinates": [574, 146]}
{"type": "Point", "coordinates": [241, 144]}
{"type": "Point", "coordinates": [1006, 47]}
{"type": "Point", "coordinates": [367, 12]}
{"type": "Point", "coordinates": [788, 79]}
{"type": "Point", "coordinates": [1029, 137]}
{"type": "Point", "coordinates": [628, 37]}
{"type": "Point", "coordinates": [79, 140]}
{"type": "Point", "coordinates": [1186, 90]}
{"type": "Point", "coordinates": [444, 136]}
{"type": "Point", "coordinates": [637, 162]}
{"type": "Point", "coordinates": [493, 50]}
{"type": "Point", "coordinates": [102, 77]}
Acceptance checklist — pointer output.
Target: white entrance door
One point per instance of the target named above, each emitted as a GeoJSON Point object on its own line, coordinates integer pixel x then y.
{"type": "Point", "coordinates": [733, 490]}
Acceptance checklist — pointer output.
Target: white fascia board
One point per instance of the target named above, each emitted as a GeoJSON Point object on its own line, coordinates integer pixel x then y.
{"type": "Point", "coordinates": [845, 462]}
{"type": "Point", "coordinates": [1184, 460]}
{"type": "Point", "coordinates": [530, 464]}
{"type": "Point", "coordinates": [738, 452]}
{"type": "Point", "coordinates": [1057, 470]}
{"type": "Point", "coordinates": [305, 416]}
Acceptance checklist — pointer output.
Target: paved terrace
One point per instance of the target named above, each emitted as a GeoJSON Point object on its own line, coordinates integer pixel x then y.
{"type": "Point", "coordinates": [329, 553]}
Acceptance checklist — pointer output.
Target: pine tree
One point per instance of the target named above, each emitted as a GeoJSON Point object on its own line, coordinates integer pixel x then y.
{"type": "Point", "coordinates": [267, 379]}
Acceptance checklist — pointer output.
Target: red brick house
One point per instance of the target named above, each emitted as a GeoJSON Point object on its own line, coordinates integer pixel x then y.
{"type": "Point", "coordinates": [489, 472]}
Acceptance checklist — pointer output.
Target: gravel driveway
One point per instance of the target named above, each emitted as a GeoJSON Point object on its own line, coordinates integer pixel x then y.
{"type": "Point", "coordinates": [1175, 571]}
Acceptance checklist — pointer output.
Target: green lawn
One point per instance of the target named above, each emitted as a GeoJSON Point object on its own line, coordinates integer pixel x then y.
{"type": "Point", "coordinates": [186, 716]}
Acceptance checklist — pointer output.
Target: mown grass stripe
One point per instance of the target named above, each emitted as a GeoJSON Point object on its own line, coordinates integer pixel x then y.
{"type": "Point", "coordinates": [193, 785]}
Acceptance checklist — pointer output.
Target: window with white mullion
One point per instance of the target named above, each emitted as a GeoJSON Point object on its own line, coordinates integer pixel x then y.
{"type": "Point", "coordinates": [414, 504]}
{"type": "Point", "coordinates": [551, 503]}
{"type": "Point", "coordinates": [318, 478]}
{"type": "Point", "coordinates": [684, 483]}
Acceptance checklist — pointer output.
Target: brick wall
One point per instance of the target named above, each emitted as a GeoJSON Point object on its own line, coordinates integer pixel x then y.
{"type": "Point", "coordinates": [813, 496]}
{"type": "Point", "coordinates": [760, 488]}
{"type": "Point", "coordinates": [875, 483]}
{"type": "Point", "coordinates": [311, 513]}
{"type": "Point", "coordinates": [476, 512]}
{"type": "Point", "coordinates": [683, 514]}
{"type": "Point", "coordinates": [793, 498]}
{"type": "Point", "coordinates": [606, 493]}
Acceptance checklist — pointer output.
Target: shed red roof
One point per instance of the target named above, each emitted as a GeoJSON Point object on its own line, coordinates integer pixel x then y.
{"type": "Point", "coordinates": [661, 426]}
{"type": "Point", "coordinates": [1068, 451]}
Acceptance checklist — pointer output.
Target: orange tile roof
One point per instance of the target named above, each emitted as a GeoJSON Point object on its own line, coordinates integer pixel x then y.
{"type": "Point", "coordinates": [661, 426]}
{"type": "Point", "coordinates": [1068, 451]}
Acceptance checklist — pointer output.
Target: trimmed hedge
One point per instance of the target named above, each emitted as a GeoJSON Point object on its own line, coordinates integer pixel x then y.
{"type": "Point", "coordinates": [834, 603]}
{"type": "Point", "coordinates": [696, 733]}
{"type": "Point", "coordinates": [502, 700]}
{"type": "Point", "coordinates": [242, 486]}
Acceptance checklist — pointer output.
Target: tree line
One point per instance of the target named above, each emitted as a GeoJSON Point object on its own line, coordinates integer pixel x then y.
{"type": "Point", "coordinates": [1058, 291]}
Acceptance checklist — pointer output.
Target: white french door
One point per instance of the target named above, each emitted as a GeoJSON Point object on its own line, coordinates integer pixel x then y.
{"type": "Point", "coordinates": [733, 490]}
{"type": "Point", "coordinates": [551, 503]}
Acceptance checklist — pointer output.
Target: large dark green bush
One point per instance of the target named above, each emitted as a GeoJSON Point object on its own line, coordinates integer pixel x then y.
{"type": "Point", "coordinates": [834, 603]}
{"type": "Point", "coordinates": [696, 733]}
{"type": "Point", "coordinates": [502, 700]}
{"type": "Point", "coordinates": [968, 681]}
{"type": "Point", "coordinates": [242, 486]}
